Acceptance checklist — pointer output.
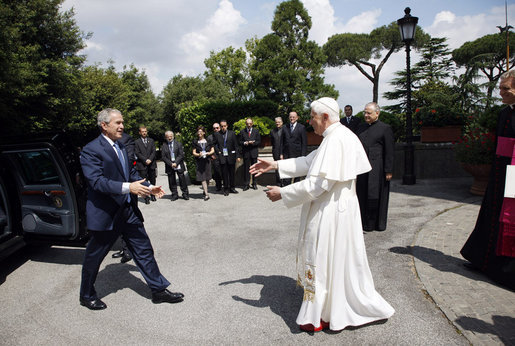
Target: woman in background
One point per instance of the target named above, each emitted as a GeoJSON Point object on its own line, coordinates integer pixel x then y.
{"type": "Point", "coordinates": [202, 150]}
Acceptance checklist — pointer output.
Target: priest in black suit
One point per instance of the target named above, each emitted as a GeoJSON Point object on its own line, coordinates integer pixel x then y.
{"type": "Point", "coordinates": [227, 150]}
{"type": "Point", "coordinates": [250, 139]}
{"type": "Point", "coordinates": [295, 140]}
{"type": "Point", "coordinates": [373, 188]}
{"type": "Point", "coordinates": [276, 137]}
{"type": "Point", "coordinates": [145, 151]}
{"type": "Point", "coordinates": [172, 154]}
{"type": "Point", "coordinates": [349, 120]}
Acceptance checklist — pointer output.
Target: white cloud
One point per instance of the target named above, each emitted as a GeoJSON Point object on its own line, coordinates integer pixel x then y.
{"type": "Point", "coordinates": [363, 23]}
{"type": "Point", "coordinates": [216, 34]}
{"type": "Point", "coordinates": [326, 24]}
{"type": "Point", "coordinates": [460, 29]}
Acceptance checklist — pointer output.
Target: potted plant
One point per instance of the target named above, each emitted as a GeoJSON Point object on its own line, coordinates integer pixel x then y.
{"type": "Point", "coordinates": [439, 123]}
{"type": "Point", "coordinates": [475, 152]}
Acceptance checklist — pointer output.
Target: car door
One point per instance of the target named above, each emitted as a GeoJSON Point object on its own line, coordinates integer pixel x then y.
{"type": "Point", "coordinates": [38, 196]}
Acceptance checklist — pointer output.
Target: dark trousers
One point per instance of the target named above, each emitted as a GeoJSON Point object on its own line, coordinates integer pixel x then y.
{"type": "Point", "coordinates": [228, 176]}
{"type": "Point", "coordinates": [217, 173]}
{"type": "Point", "coordinates": [172, 183]}
{"type": "Point", "coordinates": [246, 174]}
{"type": "Point", "coordinates": [133, 232]}
{"type": "Point", "coordinates": [149, 174]}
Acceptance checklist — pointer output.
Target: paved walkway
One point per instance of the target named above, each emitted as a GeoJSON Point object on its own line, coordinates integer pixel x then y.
{"type": "Point", "coordinates": [483, 311]}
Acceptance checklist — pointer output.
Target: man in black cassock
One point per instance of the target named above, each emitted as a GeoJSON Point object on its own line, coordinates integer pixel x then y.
{"type": "Point", "coordinates": [373, 188]}
{"type": "Point", "coordinates": [481, 247]}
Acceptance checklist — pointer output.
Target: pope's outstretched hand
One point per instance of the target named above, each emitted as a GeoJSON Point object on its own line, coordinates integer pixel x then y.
{"type": "Point", "coordinates": [262, 166]}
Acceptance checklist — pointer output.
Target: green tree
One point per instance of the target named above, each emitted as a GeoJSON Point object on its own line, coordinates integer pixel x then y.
{"type": "Point", "coordinates": [486, 55]}
{"type": "Point", "coordinates": [100, 88]}
{"type": "Point", "coordinates": [230, 67]}
{"type": "Point", "coordinates": [183, 91]}
{"type": "Point", "coordinates": [287, 68]}
{"type": "Point", "coordinates": [142, 106]}
{"type": "Point", "coordinates": [435, 66]}
{"type": "Point", "coordinates": [359, 49]}
{"type": "Point", "coordinates": [39, 65]}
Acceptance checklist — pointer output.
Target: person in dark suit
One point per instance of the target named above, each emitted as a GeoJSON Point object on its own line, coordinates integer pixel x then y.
{"type": "Point", "coordinates": [111, 211]}
{"type": "Point", "coordinates": [349, 120]}
{"type": "Point", "coordinates": [294, 141]}
{"type": "Point", "coordinates": [173, 157]}
{"type": "Point", "coordinates": [145, 151]}
{"type": "Point", "coordinates": [124, 254]}
{"type": "Point", "coordinates": [215, 160]}
{"type": "Point", "coordinates": [226, 147]}
{"type": "Point", "coordinates": [373, 188]}
{"type": "Point", "coordinates": [250, 139]}
{"type": "Point", "coordinates": [276, 136]}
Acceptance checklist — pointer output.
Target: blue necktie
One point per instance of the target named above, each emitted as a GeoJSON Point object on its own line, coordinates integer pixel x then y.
{"type": "Point", "coordinates": [124, 166]}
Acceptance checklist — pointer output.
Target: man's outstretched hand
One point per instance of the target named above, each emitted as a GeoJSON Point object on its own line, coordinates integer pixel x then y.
{"type": "Point", "coordinates": [262, 166]}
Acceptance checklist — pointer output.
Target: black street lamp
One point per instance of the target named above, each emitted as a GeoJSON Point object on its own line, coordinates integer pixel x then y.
{"type": "Point", "coordinates": [407, 26]}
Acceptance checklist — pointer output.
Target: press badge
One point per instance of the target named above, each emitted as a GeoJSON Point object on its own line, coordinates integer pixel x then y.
{"type": "Point", "coordinates": [226, 152]}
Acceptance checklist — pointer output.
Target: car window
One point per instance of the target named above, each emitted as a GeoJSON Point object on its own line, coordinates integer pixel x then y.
{"type": "Point", "coordinates": [37, 168]}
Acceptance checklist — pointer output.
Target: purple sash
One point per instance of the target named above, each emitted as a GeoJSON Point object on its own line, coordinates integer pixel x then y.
{"type": "Point", "coordinates": [506, 239]}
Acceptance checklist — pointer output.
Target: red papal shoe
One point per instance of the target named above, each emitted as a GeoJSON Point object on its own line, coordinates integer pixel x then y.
{"type": "Point", "coordinates": [310, 328]}
{"type": "Point", "coordinates": [324, 325]}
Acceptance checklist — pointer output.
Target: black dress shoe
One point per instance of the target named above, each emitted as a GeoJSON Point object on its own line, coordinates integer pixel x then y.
{"type": "Point", "coordinates": [174, 198]}
{"type": "Point", "coordinates": [233, 191]}
{"type": "Point", "coordinates": [126, 257]}
{"type": "Point", "coordinates": [95, 304]}
{"type": "Point", "coordinates": [245, 188]}
{"type": "Point", "coordinates": [186, 197]}
{"type": "Point", "coordinates": [153, 198]}
{"type": "Point", "coordinates": [254, 187]}
{"type": "Point", "coordinates": [118, 254]}
{"type": "Point", "coordinates": [226, 193]}
{"type": "Point", "coordinates": [167, 297]}
{"type": "Point", "coordinates": [147, 200]}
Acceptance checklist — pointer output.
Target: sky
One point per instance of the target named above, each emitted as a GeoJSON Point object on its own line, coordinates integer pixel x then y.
{"type": "Point", "coordinates": [170, 37]}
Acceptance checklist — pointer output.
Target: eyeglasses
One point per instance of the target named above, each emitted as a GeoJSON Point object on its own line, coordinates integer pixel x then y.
{"type": "Point", "coordinates": [215, 128]}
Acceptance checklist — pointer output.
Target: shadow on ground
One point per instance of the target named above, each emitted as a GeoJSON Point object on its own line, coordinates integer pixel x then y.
{"type": "Point", "coordinates": [280, 293]}
{"type": "Point", "coordinates": [452, 189]}
{"type": "Point", "coordinates": [440, 261]}
{"type": "Point", "coordinates": [502, 326]}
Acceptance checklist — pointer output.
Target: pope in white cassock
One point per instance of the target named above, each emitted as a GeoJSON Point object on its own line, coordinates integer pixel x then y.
{"type": "Point", "coordinates": [332, 264]}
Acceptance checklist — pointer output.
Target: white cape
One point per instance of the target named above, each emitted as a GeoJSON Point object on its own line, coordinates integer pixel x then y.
{"type": "Point", "coordinates": [332, 264]}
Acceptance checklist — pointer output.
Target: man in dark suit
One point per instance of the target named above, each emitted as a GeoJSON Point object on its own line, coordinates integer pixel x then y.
{"type": "Point", "coordinates": [173, 157]}
{"type": "Point", "coordinates": [295, 140]}
{"type": "Point", "coordinates": [276, 136]}
{"type": "Point", "coordinates": [250, 139]}
{"type": "Point", "coordinates": [111, 210]}
{"type": "Point", "coordinates": [373, 188]}
{"type": "Point", "coordinates": [217, 170]}
{"type": "Point", "coordinates": [145, 151]}
{"type": "Point", "coordinates": [349, 120]}
{"type": "Point", "coordinates": [124, 254]}
{"type": "Point", "coordinates": [226, 148]}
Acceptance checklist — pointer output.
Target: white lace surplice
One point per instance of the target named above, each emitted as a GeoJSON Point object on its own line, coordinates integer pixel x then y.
{"type": "Point", "coordinates": [332, 264]}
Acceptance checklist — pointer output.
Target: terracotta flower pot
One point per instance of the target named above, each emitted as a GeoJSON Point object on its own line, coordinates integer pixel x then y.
{"type": "Point", "coordinates": [480, 173]}
{"type": "Point", "coordinates": [434, 134]}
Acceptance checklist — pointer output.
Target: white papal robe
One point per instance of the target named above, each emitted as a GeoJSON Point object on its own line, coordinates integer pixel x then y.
{"type": "Point", "coordinates": [332, 264]}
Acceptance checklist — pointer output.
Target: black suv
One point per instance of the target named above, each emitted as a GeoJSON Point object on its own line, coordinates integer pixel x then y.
{"type": "Point", "coordinates": [42, 192]}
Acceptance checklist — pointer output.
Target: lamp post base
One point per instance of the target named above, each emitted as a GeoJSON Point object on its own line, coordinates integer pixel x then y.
{"type": "Point", "coordinates": [409, 179]}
